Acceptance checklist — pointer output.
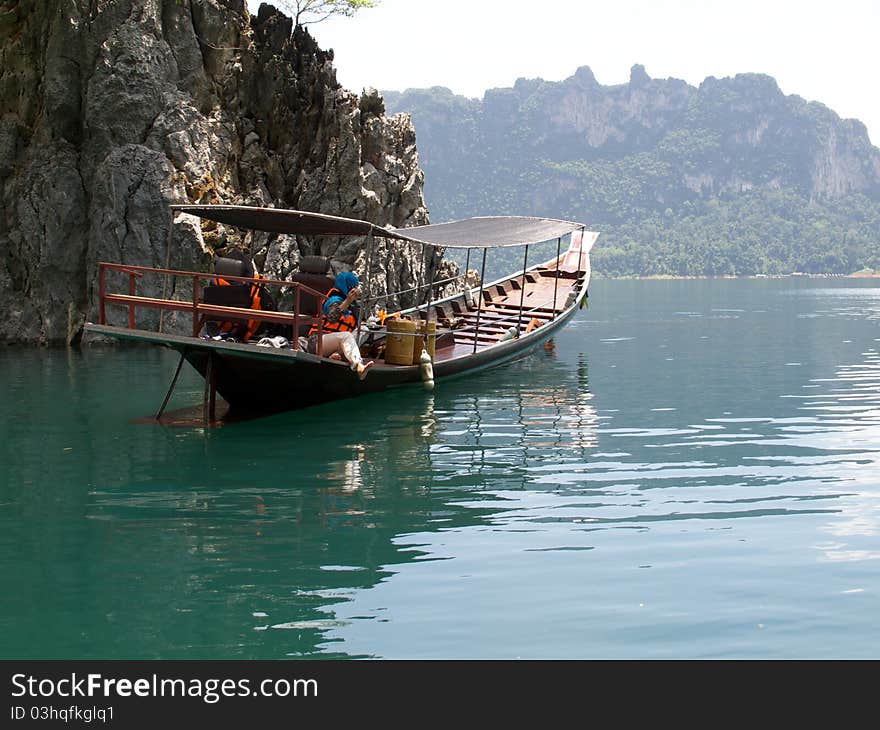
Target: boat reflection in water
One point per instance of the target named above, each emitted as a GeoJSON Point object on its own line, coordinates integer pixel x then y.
{"type": "Point", "coordinates": [435, 465]}
{"type": "Point", "coordinates": [345, 521]}
{"type": "Point", "coordinates": [246, 541]}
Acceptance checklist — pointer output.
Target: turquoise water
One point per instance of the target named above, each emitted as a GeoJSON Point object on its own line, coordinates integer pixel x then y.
{"type": "Point", "coordinates": [691, 472]}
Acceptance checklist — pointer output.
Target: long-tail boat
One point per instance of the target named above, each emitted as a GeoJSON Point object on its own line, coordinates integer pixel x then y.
{"type": "Point", "coordinates": [477, 327]}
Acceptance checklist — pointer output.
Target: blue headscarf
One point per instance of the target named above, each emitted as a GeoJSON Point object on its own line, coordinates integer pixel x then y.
{"type": "Point", "coordinates": [345, 282]}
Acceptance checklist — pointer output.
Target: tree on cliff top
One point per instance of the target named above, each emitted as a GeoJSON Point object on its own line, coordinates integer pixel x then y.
{"type": "Point", "coordinates": [305, 12]}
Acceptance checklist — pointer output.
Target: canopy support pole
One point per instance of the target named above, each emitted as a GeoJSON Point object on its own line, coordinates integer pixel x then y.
{"type": "Point", "coordinates": [429, 251]}
{"type": "Point", "coordinates": [367, 280]}
{"type": "Point", "coordinates": [480, 300]}
{"type": "Point", "coordinates": [168, 239]}
{"type": "Point", "coordinates": [556, 280]}
{"type": "Point", "coordinates": [158, 416]}
{"type": "Point", "coordinates": [468, 295]}
{"type": "Point", "coordinates": [522, 291]}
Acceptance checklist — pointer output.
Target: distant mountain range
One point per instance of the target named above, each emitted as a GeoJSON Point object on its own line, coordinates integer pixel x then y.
{"type": "Point", "coordinates": [731, 177]}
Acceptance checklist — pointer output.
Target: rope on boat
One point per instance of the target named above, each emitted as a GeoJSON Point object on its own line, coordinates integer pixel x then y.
{"type": "Point", "coordinates": [439, 282]}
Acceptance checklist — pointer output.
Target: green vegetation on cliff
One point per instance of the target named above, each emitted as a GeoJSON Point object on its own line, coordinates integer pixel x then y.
{"type": "Point", "coordinates": [732, 177]}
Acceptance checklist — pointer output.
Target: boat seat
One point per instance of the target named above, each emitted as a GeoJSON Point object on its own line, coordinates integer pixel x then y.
{"type": "Point", "coordinates": [234, 294]}
{"type": "Point", "coordinates": [446, 338]}
{"type": "Point", "coordinates": [314, 272]}
{"type": "Point", "coordinates": [225, 266]}
{"type": "Point", "coordinates": [228, 296]}
{"type": "Point", "coordinates": [517, 283]}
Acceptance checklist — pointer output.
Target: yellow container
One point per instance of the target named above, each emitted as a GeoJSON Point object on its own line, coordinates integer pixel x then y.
{"type": "Point", "coordinates": [420, 340]}
{"type": "Point", "coordinates": [399, 342]}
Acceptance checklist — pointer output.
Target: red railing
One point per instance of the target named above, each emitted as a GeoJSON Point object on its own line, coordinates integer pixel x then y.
{"type": "Point", "coordinates": [201, 311]}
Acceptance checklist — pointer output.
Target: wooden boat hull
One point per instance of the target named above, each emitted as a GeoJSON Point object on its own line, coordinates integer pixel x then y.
{"type": "Point", "coordinates": [254, 379]}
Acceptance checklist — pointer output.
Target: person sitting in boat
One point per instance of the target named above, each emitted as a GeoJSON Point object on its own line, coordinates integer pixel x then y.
{"type": "Point", "coordinates": [338, 323]}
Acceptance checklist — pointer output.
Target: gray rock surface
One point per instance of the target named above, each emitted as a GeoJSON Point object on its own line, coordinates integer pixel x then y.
{"type": "Point", "coordinates": [111, 111]}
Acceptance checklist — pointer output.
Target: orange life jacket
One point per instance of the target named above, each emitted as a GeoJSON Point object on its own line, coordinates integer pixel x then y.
{"type": "Point", "coordinates": [346, 323]}
{"type": "Point", "coordinates": [256, 303]}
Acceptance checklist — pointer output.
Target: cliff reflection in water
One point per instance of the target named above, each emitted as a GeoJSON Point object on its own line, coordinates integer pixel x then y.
{"type": "Point", "coordinates": [238, 542]}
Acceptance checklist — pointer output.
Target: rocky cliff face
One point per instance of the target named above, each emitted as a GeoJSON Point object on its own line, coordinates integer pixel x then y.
{"type": "Point", "coordinates": [112, 110]}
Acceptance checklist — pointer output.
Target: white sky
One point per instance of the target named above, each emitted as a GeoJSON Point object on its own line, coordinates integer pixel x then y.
{"type": "Point", "coordinates": [822, 51]}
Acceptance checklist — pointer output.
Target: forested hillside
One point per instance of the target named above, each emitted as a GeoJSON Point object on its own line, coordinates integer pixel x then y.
{"type": "Point", "coordinates": [732, 177]}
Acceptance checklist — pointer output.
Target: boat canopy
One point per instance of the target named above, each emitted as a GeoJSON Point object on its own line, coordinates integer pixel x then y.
{"type": "Point", "coordinates": [280, 220]}
{"type": "Point", "coordinates": [490, 231]}
{"type": "Point", "coordinates": [482, 232]}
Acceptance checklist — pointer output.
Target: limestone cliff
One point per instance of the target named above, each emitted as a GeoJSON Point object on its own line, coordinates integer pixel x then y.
{"type": "Point", "coordinates": [110, 110]}
{"type": "Point", "coordinates": [731, 176]}
{"type": "Point", "coordinates": [719, 138]}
